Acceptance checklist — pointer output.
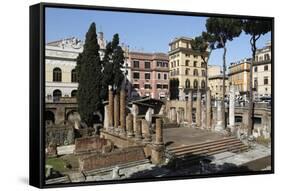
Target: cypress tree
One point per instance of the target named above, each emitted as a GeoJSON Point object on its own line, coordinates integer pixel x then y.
{"type": "Point", "coordinates": [89, 72]}
{"type": "Point", "coordinates": [113, 63]}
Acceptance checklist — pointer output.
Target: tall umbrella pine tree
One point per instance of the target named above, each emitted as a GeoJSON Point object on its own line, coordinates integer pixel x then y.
{"type": "Point", "coordinates": [204, 44]}
{"type": "Point", "coordinates": [89, 72]}
{"type": "Point", "coordinates": [223, 30]}
{"type": "Point", "coordinates": [254, 28]}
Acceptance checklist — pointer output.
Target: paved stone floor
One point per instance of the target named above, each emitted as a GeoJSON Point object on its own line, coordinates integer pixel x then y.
{"type": "Point", "coordinates": [186, 136]}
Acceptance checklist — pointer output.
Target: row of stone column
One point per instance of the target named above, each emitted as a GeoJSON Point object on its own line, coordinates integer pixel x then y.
{"type": "Point", "coordinates": [116, 111]}
{"type": "Point", "coordinates": [200, 111]}
{"type": "Point", "coordinates": [130, 125]}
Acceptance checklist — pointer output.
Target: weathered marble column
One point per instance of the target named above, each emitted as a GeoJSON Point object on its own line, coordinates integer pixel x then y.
{"type": "Point", "coordinates": [106, 120]}
{"type": "Point", "coordinates": [110, 107]}
{"type": "Point", "coordinates": [145, 131]}
{"type": "Point", "coordinates": [219, 125]}
{"type": "Point", "coordinates": [203, 115]}
{"type": "Point", "coordinates": [135, 112]}
{"type": "Point", "coordinates": [189, 107]}
{"type": "Point", "coordinates": [123, 112]}
{"type": "Point", "coordinates": [138, 130]}
{"type": "Point", "coordinates": [231, 108]}
{"type": "Point", "coordinates": [173, 114]}
{"type": "Point", "coordinates": [159, 132]}
{"type": "Point", "coordinates": [129, 125]}
{"type": "Point", "coordinates": [116, 111]}
{"type": "Point", "coordinates": [198, 109]}
{"type": "Point", "coordinates": [208, 109]}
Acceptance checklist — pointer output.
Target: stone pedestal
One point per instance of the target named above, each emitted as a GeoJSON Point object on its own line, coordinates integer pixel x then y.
{"type": "Point", "coordinates": [145, 131]}
{"type": "Point", "coordinates": [189, 108]}
{"type": "Point", "coordinates": [219, 125]}
{"type": "Point", "coordinates": [110, 107]}
{"type": "Point", "coordinates": [138, 131]}
{"type": "Point", "coordinates": [208, 109]}
{"type": "Point", "coordinates": [129, 125]}
{"type": "Point", "coordinates": [231, 108]}
{"type": "Point", "coordinates": [116, 111]}
{"type": "Point", "coordinates": [157, 154]}
{"type": "Point", "coordinates": [123, 112]}
{"type": "Point", "coordinates": [198, 109]}
{"type": "Point", "coordinates": [159, 132]}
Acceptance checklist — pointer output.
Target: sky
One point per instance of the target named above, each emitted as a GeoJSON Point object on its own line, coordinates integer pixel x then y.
{"type": "Point", "coordinates": [142, 32]}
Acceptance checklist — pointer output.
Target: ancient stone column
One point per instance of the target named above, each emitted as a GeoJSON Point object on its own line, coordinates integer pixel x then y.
{"type": "Point", "coordinates": [198, 109]}
{"type": "Point", "coordinates": [219, 125]}
{"type": "Point", "coordinates": [135, 112]}
{"type": "Point", "coordinates": [208, 109]}
{"type": "Point", "coordinates": [145, 130]}
{"type": "Point", "coordinates": [116, 111]}
{"type": "Point", "coordinates": [159, 132]}
{"type": "Point", "coordinates": [173, 115]}
{"type": "Point", "coordinates": [138, 130]}
{"type": "Point", "coordinates": [123, 112]}
{"type": "Point", "coordinates": [203, 115]}
{"type": "Point", "coordinates": [110, 107]}
{"type": "Point", "coordinates": [129, 125]}
{"type": "Point", "coordinates": [231, 108]}
{"type": "Point", "coordinates": [189, 108]}
{"type": "Point", "coordinates": [105, 120]}
{"type": "Point", "coordinates": [181, 94]}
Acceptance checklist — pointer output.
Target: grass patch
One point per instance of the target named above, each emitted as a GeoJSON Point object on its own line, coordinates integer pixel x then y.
{"type": "Point", "coordinates": [261, 140]}
{"type": "Point", "coordinates": [57, 163]}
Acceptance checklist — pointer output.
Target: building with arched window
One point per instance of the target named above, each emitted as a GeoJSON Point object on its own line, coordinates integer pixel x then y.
{"type": "Point", "coordinates": [60, 73]}
{"type": "Point", "coordinates": [188, 63]}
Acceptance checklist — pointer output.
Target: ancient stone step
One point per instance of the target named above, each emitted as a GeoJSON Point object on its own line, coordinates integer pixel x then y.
{"type": "Point", "coordinates": [195, 146]}
{"type": "Point", "coordinates": [202, 150]}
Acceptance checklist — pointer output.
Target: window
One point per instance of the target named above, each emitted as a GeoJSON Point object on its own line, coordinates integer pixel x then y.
{"type": "Point", "coordinates": [265, 67]}
{"type": "Point", "coordinates": [195, 84]}
{"type": "Point", "coordinates": [187, 83]}
{"type": "Point", "coordinates": [74, 77]}
{"type": "Point", "coordinates": [57, 75]}
{"type": "Point", "coordinates": [195, 56]}
{"type": "Point", "coordinates": [187, 55]}
{"type": "Point", "coordinates": [159, 64]}
{"type": "Point", "coordinates": [178, 71]}
{"type": "Point", "coordinates": [195, 72]}
{"type": "Point", "coordinates": [195, 63]}
{"type": "Point", "coordinates": [178, 62]}
{"type": "Point", "coordinates": [165, 76]}
{"type": "Point", "coordinates": [159, 86]}
{"type": "Point", "coordinates": [165, 86]}
{"type": "Point", "coordinates": [266, 57]}
{"type": "Point", "coordinates": [255, 69]}
{"type": "Point", "coordinates": [56, 95]}
{"type": "Point", "coordinates": [265, 80]}
{"type": "Point", "coordinates": [187, 71]}
{"type": "Point", "coordinates": [136, 64]}
{"type": "Point", "coordinates": [256, 84]}
{"type": "Point", "coordinates": [159, 76]}
{"type": "Point", "coordinates": [147, 86]}
{"type": "Point", "coordinates": [203, 84]}
{"type": "Point", "coordinates": [137, 86]}
{"type": "Point", "coordinates": [147, 64]}
{"type": "Point", "coordinates": [136, 75]}
{"type": "Point", "coordinates": [186, 62]}
{"type": "Point", "coordinates": [147, 76]}
{"type": "Point", "coordinates": [73, 93]}
{"type": "Point", "coordinates": [203, 65]}
{"type": "Point", "coordinates": [203, 73]}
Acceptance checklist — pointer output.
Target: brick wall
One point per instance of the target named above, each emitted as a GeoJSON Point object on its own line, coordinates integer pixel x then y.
{"type": "Point", "coordinates": [111, 159]}
{"type": "Point", "coordinates": [88, 144]}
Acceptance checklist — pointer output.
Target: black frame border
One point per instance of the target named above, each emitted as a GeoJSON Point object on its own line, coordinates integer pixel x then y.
{"type": "Point", "coordinates": [37, 93]}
